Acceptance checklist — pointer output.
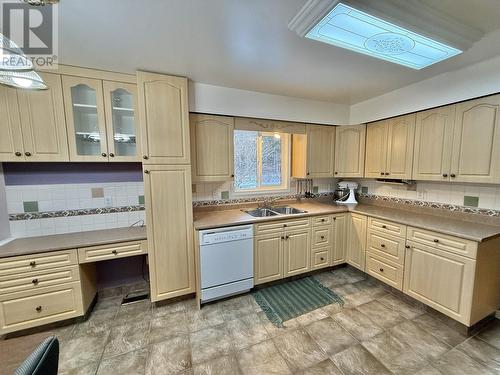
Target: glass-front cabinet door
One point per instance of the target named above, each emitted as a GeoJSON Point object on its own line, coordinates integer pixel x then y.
{"type": "Point", "coordinates": [85, 119]}
{"type": "Point", "coordinates": [120, 100]}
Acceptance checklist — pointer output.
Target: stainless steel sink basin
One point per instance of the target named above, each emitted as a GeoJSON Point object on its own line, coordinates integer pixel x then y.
{"type": "Point", "coordinates": [265, 212]}
{"type": "Point", "coordinates": [261, 212]}
{"type": "Point", "coordinates": [285, 210]}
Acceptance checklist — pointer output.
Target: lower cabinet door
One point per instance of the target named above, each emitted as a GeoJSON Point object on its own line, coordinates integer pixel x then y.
{"type": "Point", "coordinates": [29, 309]}
{"type": "Point", "coordinates": [297, 252]}
{"type": "Point", "coordinates": [170, 230]}
{"type": "Point", "coordinates": [356, 241]}
{"type": "Point", "coordinates": [441, 280]}
{"type": "Point", "coordinates": [339, 240]}
{"type": "Point", "coordinates": [268, 261]}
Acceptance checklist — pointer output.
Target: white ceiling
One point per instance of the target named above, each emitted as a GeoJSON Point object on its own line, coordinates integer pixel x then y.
{"type": "Point", "coordinates": [246, 44]}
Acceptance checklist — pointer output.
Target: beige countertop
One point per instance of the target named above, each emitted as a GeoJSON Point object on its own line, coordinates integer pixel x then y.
{"type": "Point", "coordinates": [454, 227]}
{"type": "Point", "coordinates": [34, 245]}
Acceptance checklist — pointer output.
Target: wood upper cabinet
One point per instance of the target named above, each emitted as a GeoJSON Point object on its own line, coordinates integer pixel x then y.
{"type": "Point", "coordinates": [297, 251]}
{"type": "Point", "coordinates": [350, 151]}
{"type": "Point", "coordinates": [476, 141]}
{"type": "Point", "coordinates": [376, 149]}
{"type": "Point", "coordinates": [433, 144]}
{"type": "Point", "coordinates": [212, 156]}
{"type": "Point", "coordinates": [440, 279]}
{"type": "Point", "coordinates": [268, 261]}
{"type": "Point", "coordinates": [389, 148]}
{"type": "Point", "coordinates": [33, 124]}
{"type": "Point", "coordinates": [170, 230]}
{"type": "Point", "coordinates": [356, 240]}
{"type": "Point", "coordinates": [339, 239]}
{"type": "Point", "coordinates": [400, 140]}
{"type": "Point", "coordinates": [164, 118]}
{"type": "Point", "coordinates": [313, 152]}
{"type": "Point", "coordinates": [43, 123]}
{"type": "Point", "coordinates": [11, 141]}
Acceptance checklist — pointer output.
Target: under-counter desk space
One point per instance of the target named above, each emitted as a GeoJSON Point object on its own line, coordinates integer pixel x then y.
{"type": "Point", "coordinates": [52, 278]}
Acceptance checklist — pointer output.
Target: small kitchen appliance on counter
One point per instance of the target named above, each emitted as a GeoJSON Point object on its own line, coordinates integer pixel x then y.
{"type": "Point", "coordinates": [345, 192]}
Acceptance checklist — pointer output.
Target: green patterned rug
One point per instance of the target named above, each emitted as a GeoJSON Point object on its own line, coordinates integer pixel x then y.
{"type": "Point", "coordinates": [285, 301]}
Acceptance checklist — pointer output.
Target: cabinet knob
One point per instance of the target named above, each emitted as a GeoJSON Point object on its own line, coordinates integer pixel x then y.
{"type": "Point", "coordinates": [145, 157]}
{"type": "Point", "coordinates": [322, 258]}
{"type": "Point", "coordinates": [114, 252]}
{"type": "Point", "coordinates": [336, 172]}
{"type": "Point", "coordinates": [18, 153]}
{"type": "Point", "coordinates": [387, 173]}
{"type": "Point", "coordinates": [308, 173]}
{"type": "Point", "coordinates": [284, 225]}
{"type": "Point", "coordinates": [384, 226]}
{"type": "Point", "coordinates": [38, 308]}
{"type": "Point", "coordinates": [287, 237]}
{"type": "Point", "coordinates": [436, 240]}
{"type": "Point", "coordinates": [382, 245]}
{"type": "Point", "coordinates": [445, 174]}
{"type": "Point", "coordinates": [282, 237]}
{"type": "Point", "coordinates": [27, 153]}
{"type": "Point", "coordinates": [34, 281]}
{"type": "Point", "coordinates": [232, 176]}
{"type": "Point", "coordinates": [453, 175]}
{"type": "Point", "coordinates": [381, 173]}
{"type": "Point", "coordinates": [322, 237]}
{"type": "Point", "coordinates": [407, 246]}
{"type": "Point", "coordinates": [334, 218]}
{"type": "Point", "coordinates": [323, 220]}
{"type": "Point", "coordinates": [381, 269]}
{"type": "Point", "coordinates": [33, 263]}
{"type": "Point", "coordinates": [111, 154]}
{"type": "Point", "coordinates": [104, 154]}
{"type": "Point", "coordinates": [146, 171]}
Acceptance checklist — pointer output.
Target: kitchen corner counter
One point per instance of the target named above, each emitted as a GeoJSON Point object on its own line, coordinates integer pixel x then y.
{"type": "Point", "coordinates": [41, 244]}
{"type": "Point", "coordinates": [454, 227]}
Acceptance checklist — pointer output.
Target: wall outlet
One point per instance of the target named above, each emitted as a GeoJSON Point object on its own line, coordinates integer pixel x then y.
{"type": "Point", "coordinates": [108, 201]}
{"type": "Point", "coordinates": [421, 194]}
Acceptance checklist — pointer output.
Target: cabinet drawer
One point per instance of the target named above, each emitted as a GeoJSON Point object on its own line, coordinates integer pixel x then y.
{"type": "Point", "coordinates": [36, 262]}
{"type": "Point", "coordinates": [321, 220]}
{"type": "Point", "coordinates": [278, 226]}
{"type": "Point", "coordinates": [443, 242]}
{"type": "Point", "coordinates": [387, 227]}
{"type": "Point", "coordinates": [38, 279]}
{"type": "Point", "coordinates": [322, 236]}
{"type": "Point", "coordinates": [27, 309]}
{"type": "Point", "coordinates": [105, 252]}
{"type": "Point", "coordinates": [320, 258]}
{"type": "Point", "coordinates": [393, 248]}
{"type": "Point", "coordinates": [385, 270]}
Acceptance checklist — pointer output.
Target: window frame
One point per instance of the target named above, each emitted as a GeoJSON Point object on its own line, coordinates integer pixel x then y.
{"type": "Point", "coordinates": [285, 167]}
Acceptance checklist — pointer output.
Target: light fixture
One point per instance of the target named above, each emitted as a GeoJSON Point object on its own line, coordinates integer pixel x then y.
{"type": "Point", "coordinates": [41, 2]}
{"type": "Point", "coordinates": [22, 80]}
{"type": "Point", "coordinates": [400, 32]}
{"type": "Point", "coordinates": [12, 57]}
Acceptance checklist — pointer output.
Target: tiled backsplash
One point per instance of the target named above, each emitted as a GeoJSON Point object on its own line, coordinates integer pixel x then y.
{"type": "Point", "coordinates": [203, 192]}
{"type": "Point", "coordinates": [61, 208]}
{"type": "Point", "coordinates": [470, 195]}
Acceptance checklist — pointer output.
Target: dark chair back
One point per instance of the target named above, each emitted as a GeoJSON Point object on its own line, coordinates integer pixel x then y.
{"type": "Point", "coordinates": [44, 360]}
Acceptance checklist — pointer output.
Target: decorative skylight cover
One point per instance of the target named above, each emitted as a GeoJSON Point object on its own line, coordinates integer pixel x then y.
{"type": "Point", "coordinates": [355, 30]}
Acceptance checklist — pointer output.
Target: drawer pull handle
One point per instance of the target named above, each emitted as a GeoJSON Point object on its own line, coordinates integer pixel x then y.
{"type": "Point", "coordinates": [38, 309]}
{"type": "Point", "coordinates": [33, 263]}
{"type": "Point", "coordinates": [114, 252]}
{"type": "Point", "coordinates": [34, 281]}
{"type": "Point", "coordinates": [384, 226]}
{"type": "Point", "coordinates": [382, 245]}
{"type": "Point", "coordinates": [381, 269]}
{"type": "Point", "coordinates": [436, 240]}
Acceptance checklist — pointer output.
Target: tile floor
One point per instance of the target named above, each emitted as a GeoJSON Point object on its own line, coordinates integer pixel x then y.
{"type": "Point", "coordinates": [376, 332]}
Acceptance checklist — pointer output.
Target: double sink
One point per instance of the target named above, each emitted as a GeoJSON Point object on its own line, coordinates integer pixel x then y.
{"type": "Point", "coordinates": [274, 211]}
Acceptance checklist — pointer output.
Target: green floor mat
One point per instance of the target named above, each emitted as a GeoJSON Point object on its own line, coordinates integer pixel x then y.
{"type": "Point", "coordinates": [285, 301]}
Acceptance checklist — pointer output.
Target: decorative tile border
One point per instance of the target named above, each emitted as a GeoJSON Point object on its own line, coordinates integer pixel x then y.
{"type": "Point", "coordinates": [220, 202]}
{"type": "Point", "coordinates": [442, 206]}
{"type": "Point", "coordinates": [77, 212]}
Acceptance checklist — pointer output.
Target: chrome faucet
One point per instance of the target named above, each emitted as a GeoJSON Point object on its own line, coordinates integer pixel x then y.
{"type": "Point", "coordinates": [267, 202]}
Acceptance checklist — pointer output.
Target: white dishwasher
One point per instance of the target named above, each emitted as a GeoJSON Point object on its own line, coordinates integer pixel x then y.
{"type": "Point", "coordinates": [226, 261]}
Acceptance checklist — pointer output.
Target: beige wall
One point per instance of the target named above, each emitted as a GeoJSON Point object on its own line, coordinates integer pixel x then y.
{"type": "Point", "coordinates": [4, 217]}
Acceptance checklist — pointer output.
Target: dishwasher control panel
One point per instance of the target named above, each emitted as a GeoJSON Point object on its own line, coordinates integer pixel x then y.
{"type": "Point", "coordinates": [209, 237]}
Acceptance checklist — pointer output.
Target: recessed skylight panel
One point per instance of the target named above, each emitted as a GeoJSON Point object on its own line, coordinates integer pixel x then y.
{"type": "Point", "coordinates": [355, 30]}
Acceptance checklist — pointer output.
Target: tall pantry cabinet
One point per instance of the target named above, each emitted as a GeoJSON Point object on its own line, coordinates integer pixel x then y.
{"type": "Point", "coordinates": [164, 120]}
